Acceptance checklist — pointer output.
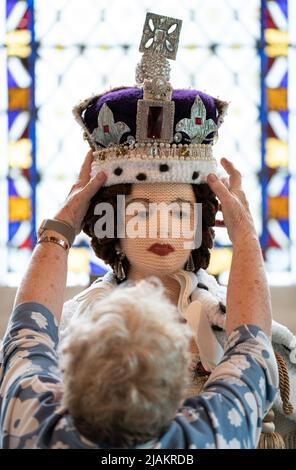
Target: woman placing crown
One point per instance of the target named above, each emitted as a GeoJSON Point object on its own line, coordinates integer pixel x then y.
{"type": "Point", "coordinates": [155, 144]}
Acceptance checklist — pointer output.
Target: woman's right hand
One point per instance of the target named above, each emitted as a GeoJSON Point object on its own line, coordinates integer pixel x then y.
{"type": "Point", "coordinates": [234, 205]}
{"type": "Point", "coordinates": [75, 207]}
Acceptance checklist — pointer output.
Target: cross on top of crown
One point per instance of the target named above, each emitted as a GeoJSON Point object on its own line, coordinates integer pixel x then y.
{"type": "Point", "coordinates": [161, 35]}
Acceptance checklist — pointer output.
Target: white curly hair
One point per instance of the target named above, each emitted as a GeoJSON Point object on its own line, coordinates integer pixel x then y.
{"type": "Point", "coordinates": [125, 364]}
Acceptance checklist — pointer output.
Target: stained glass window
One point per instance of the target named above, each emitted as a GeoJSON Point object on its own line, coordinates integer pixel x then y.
{"type": "Point", "coordinates": [52, 54]}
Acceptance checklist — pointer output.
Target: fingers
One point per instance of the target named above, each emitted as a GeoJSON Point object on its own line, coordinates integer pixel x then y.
{"type": "Point", "coordinates": [225, 181]}
{"type": "Point", "coordinates": [218, 188]}
{"type": "Point", "coordinates": [235, 179]}
{"type": "Point", "coordinates": [86, 168]}
{"type": "Point", "coordinates": [93, 186]}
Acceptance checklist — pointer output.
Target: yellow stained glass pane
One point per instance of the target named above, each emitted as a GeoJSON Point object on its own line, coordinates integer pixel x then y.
{"type": "Point", "coordinates": [220, 260]}
{"type": "Point", "coordinates": [18, 98]}
{"type": "Point", "coordinates": [19, 154]}
{"type": "Point", "coordinates": [276, 50]}
{"type": "Point", "coordinates": [276, 153]}
{"type": "Point", "coordinates": [18, 43]}
{"type": "Point", "coordinates": [278, 207]}
{"type": "Point", "coordinates": [19, 37]}
{"type": "Point", "coordinates": [19, 209]}
{"type": "Point", "coordinates": [275, 36]}
{"type": "Point", "coordinates": [78, 260]}
{"type": "Point", "coordinates": [277, 99]}
{"type": "Point", "coordinates": [19, 51]}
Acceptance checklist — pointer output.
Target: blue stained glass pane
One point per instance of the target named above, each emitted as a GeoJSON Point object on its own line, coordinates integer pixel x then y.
{"type": "Point", "coordinates": [285, 226]}
{"type": "Point", "coordinates": [96, 269]}
{"type": "Point", "coordinates": [283, 4]}
{"type": "Point", "coordinates": [285, 190]}
{"type": "Point", "coordinates": [10, 80]}
{"type": "Point", "coordinates": [220, 245]}
{"type": "Point", "coordinates": [9, 6]}
{"type": "Point", "coordinates": [11, 188]}
{"type": "Point", "coordinates": [82, 244]}
{"type": "Point", "coordinates": [12, 115]}
{"type": "Point", "coordinates": [12, 229]}
{"type": "Point", "coordinates": [285, 117]}
{"type": "Point", "coordinates": [284, 82]}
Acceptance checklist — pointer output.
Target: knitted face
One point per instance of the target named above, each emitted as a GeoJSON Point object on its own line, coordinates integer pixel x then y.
{"type": "Point", "coordinates": [165, 232]}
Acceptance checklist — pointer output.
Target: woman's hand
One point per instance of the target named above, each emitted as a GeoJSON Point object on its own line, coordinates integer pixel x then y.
{"type": "Point", "coordinates": [234, 205]}
{"type": "Point", "coordinates": [78, 200]}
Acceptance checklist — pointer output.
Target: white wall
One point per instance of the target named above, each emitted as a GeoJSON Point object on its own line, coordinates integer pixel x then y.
{"type": "Point", "coordinates": [7, 295]}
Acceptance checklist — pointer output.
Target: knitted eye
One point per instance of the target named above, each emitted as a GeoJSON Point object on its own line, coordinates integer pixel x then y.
{"type": "Point", "coordinates": [180, 214]}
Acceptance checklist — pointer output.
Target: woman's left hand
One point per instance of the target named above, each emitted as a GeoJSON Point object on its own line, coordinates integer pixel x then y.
{"type": "Point", "coordinates": [78, 200]}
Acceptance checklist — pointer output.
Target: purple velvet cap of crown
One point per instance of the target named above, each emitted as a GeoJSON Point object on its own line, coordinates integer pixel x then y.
{"type": "Point", "coordinates": [123, 104]}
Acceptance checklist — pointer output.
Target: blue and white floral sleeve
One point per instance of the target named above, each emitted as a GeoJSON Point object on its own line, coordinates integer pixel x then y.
{"type": "Point", "coordinates": [30, 386]}
{"type": "Point", "coordinates": [238, 394]}
{"type": "Point", "coordinates": [227, 414]}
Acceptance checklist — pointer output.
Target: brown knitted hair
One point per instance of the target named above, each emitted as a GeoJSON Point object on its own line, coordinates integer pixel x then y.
{"type": "Point", "coordinates": [104, 248]}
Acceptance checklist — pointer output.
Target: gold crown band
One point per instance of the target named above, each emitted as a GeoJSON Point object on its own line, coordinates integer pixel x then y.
{"type": "Point", "coordinates": [157, 150]}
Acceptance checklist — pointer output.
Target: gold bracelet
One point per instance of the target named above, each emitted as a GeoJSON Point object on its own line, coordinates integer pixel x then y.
{"type": "Point", "coordinates": [55, 240]}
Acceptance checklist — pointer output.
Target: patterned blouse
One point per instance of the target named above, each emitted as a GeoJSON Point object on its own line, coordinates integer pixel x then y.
{"type": "Point", "coordinates": [228, 414]}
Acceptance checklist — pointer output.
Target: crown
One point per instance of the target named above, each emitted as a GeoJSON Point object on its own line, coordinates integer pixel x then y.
{"type": "Point", "coordinates": [151, 132]}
